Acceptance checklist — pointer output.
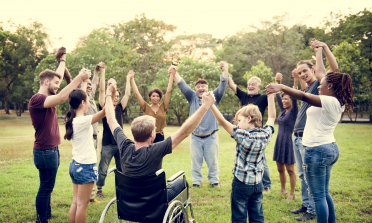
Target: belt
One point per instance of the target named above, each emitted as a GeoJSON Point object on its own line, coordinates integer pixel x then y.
{"type": "Point", "coordinates": [298, 133]}
{"type": "Point", "coordinates": [205, 135]}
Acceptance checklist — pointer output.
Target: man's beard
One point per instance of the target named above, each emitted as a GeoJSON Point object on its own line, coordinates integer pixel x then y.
{"type": "Point", "coordinates": [51, 90]}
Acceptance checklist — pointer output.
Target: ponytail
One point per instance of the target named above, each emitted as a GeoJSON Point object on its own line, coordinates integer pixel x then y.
{"type": "Point", "coordinates": [75, 98]}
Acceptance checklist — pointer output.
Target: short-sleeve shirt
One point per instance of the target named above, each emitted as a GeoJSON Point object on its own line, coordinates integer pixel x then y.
{"type": "Point", "coordinates": [45, 123]}
{"type": "Point", "coordinates": [107, 137]}
{"type": "Point", "coordinates": [143, 162]}
{"type": "Point", "coordinates": [159, 115]}
{"type": "Point", "coordinates": [258, 99]}
{"type": "Point", "coordinates": [92, 109]}
{"type": "Point", "coordinates": [250, 147]}
{"type": "Point", "coordinates": [322, 121]}
{"type": "Point", "coordinates": [83, 150]}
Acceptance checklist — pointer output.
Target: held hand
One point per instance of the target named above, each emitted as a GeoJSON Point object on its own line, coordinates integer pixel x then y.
{"type": "Point", "coordinates": [273, 88]}
{"type": "Point", "coordinates": [100, 66]}
{"type": "Point", "coordinates": [278, 78]}
{"type": "Point", "coordinates": [315, 43]}
{"type": "Point", "coordinates": [61, 54]}
{"type": "Point", "coordinates": [130, 74]}
{"type": "Point", "coordinates": [294, 74]}
{"type": "Point", "coordinates": [318, 49]}
{"type": "Point", "coordinates": [172, 70]}
{"type": "Point", "coordinates": [224, 66]}
{"type": "Point", "coordinates": [84, 74]}
{"type": "Point", "coordinates": [208, 98]}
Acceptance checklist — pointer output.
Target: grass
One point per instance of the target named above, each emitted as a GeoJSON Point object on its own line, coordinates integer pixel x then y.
{"type": "Point", "coordinates": [350, 184]}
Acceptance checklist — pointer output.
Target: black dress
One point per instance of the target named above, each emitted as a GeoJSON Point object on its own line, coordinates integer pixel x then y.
{"type": "Point", "coordinates": [283, 151]}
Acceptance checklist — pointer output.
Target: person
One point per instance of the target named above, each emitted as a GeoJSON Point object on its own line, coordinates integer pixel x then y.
{"type": "Point", "coordinates": [251, 141]}
{"type": "Point", "coordinates": [204, 139]}
{"type": "Point", "coordinates": [252, 96]}
{"type": "Point", "coordinates": [109, 145]}
{"type": "Point", "coordinates": [283, 150]}
{"type": "Point", "coordinates": [42, 108]}
{"type": "Point", "coordinates": [83, 168]}
{"type": "Point", "coordinates": [306, 71]}
{"type": "Point", "coordinates": [156, 109]}
{"type": "Point", "coordinates": [320, 148]}
{"type": "Point", "coordinates": [143, 157]}
{"type": "Point", "coordinates": [92, 109]}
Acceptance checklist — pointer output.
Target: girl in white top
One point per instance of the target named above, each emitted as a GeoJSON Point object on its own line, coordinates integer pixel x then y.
{"type": "Point", "coordinates": [83, 168]}
{"type": "Point", "coordinates": [321, 150]}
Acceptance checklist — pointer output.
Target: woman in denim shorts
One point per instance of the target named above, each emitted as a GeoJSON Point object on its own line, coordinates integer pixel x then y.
{"type": "Point", "coordinates": [321, 150]}
{"type": "Point", "coordinates": [83, 168]}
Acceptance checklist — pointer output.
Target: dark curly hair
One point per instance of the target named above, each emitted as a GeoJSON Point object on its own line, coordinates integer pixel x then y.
{"type": "Point", "coordinates": [342, 88]}
{"type": "Point", "coordinates": [157, 90]}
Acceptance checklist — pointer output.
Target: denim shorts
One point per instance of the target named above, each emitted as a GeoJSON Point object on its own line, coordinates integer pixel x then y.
{"type": "Point", "coordinates": [83, 173]}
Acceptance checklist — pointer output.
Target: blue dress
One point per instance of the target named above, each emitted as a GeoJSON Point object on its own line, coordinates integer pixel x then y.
{"type": "Point", "coordinates": [283, 150]}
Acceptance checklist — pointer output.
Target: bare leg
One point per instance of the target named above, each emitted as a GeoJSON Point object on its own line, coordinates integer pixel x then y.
{"type": "Point", "coordinates": [282, 176]}
{"type": "Point", "coordinates": [72, 212]}
{"type": "Point", "coordinates": [83, 197]}
{"type": "Point", "coordinates": [292, 180]}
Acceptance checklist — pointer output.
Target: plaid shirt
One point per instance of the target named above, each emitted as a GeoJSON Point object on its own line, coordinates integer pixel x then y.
{"type": "Point", "coordinates": [250, 148]}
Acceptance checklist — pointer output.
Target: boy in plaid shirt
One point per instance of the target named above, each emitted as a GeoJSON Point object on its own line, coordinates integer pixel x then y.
{"type": "Point", "coordinates": [251, 141]}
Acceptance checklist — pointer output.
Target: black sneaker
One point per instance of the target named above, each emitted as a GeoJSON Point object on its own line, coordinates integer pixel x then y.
{"type": "Point", "coordinates": [195, 186]}
{"type": "Point", "coordinates": [305, 217]}
{"type": "Point", "coordinates": [302, 209]}
{"type": "Point", "coordinates": [216, 185]}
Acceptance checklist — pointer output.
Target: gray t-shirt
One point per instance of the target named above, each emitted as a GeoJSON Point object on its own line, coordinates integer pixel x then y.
{"type": "Point", "coordinates": [92, 109]}
{"type": "Point", "coordinates": [143, 162]}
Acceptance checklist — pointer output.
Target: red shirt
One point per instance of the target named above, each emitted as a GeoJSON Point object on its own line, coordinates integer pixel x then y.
{"type": "Point", "coordinates": [45, 123]}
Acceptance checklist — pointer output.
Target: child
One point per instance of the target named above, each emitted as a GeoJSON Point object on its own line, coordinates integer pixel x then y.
{"type": "Point", "coordinates": [251, 141]}
{"type": "Point", "coordinates": [83, 168]}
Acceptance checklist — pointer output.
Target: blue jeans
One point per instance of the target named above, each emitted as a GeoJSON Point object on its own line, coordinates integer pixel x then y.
{"type": "Point", "coordinates": [176, 188]}
{"type": "Point", "coordinates": [47, 162]}
{"type": "Point", "coordinates": [107, 152]}
{"type": "Point", "coordinates": [246, 198]}
{"type": "Point", "coordinates": [299, 152]}
{"type": "Point", "coordinates": [208, 148]}
{"type": "Point", "coordinates": [318, 162]}
{"type": "Point", "coordinates": [266, 175]}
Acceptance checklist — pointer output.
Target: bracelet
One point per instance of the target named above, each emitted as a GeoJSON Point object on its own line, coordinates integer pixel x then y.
{"type": "Point", "coordinates": [107, 95]}
{"type": "Point", "coordinates": [295, 87]}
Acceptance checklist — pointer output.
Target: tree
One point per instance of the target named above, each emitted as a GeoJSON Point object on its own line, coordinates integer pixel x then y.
{"type": "Point", "coordinates": [20, 53]}
{"type": "Point", "coordinates": [350, 61]}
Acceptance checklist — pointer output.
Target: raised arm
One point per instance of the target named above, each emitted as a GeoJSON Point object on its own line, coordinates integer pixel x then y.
{"type": "Point", "coordinates": [109, 106]}
{"type": "Point", "coordinates": [232, 85]}
{"type": "Point", "coordinates": [306, 97]}
{"type": "Point", "coordinates": [320, 69]}
{"type": "Point", "coordinates": [177, 76]}
{"type": "Point", "coordinates": [171, 73]}
{"type": "Point", "coordinates": [296, 78]}
{"type": "Point", "coordinates": [61, 59]}
{"type": "Point", "coordinates": [220, 90]}
{"type": "Point", "coordinates": [95, 79]}
{"type": "Point", "coordinates": [271, 112]}
{"type": "Point", "coordinates": [125, 99]}
{"type": "Point", "coordinates": [222, 121]}
{"type": "Point", "coordinates": [62, 96]}
{"type": "Point", "coordinates": [67, 76]}
{"type": "Point", "coordinates": [101, 99]}
{"type": "Point", "coordinates": [136, 92]}
{"type": "Point", "coordinates": [193, 121]}
{"type": "Point", "coordinates": [329, 55]}
{"type": "Point", "coordinates": [184, 88]}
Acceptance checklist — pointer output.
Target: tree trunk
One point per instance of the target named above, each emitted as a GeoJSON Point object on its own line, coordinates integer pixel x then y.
{"type": "Point", "coordinates": [6, 105]}
{"type": "Point", "coordinates": [179, 119]}
{"type": "Point", "coordinates": [356, 115]}
{"type": "Point", "coordinates": [15, 107]}
{"type": "Point", "coordinates": [19, 113]}
{"type": "Point", "coordinates": [370, 118]}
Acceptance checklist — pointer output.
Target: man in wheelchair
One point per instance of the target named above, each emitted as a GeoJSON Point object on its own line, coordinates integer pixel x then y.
{"type": "Point", "coordinates": [141, 157]}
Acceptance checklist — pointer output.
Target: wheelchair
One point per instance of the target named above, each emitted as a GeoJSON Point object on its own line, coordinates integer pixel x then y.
{"type": "Point", "coordinates": [145, 199]}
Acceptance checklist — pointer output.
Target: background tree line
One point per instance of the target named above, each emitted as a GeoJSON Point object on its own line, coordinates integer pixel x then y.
{"type": "Point", "coordinates": [140, 45]}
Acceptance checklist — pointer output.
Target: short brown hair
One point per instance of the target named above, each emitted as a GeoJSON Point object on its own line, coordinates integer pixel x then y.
{"type": "Point", "coordinates": [201, 81]}
{"type": "Point", "coordinates": [142, 127]}
{"type": "Point", "coordinates": [156, 90]}
{"type": "Point", "coordinates": [252, 111]}
{"type": "Point", "coordinates": [48, 74]}
{"type": "Point", "coordinates": [307, 62]}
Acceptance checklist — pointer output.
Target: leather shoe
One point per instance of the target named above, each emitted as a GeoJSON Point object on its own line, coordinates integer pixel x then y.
{"type": "Point", "coordinates": [301, 209]}
{"type": "Point", "coordinates": [305, 217]}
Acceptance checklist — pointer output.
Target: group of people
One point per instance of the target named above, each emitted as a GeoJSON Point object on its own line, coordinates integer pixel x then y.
{"type": "Point", "coordinates": [314, 149]}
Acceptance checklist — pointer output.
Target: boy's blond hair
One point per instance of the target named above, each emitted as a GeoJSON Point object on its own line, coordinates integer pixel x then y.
{"type": "Point", "coordinates": [142, 127]}
{"type": "Point", "coordinates": [252, 111]}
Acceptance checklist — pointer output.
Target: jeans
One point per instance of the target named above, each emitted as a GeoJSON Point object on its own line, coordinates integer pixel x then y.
{"type": "Point", "coordinates": [159, 137]}
{"type": "Point", "coordinates": [299, 152]}
{"type": "Point", "coordinates": [95, 143]}
{"type": "Point", "coordinates": [266, 175]}
{"type": "Point", "coordinates": [208, 148]}
{"type": "Point", "coordinates": [82, 173]}
{"type": "Point", "coordinates": [47, 162]}
{"type": "Point", "coordinates": [176, 188]}
{"type": "Point", "coordinates": [318, 162]}
{"type": "Point", "coordinates": [246, 198]}
{"type": "Point", "coordinates": [107, 153]}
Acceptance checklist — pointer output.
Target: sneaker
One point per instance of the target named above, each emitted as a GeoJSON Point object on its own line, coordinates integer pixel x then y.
{"type": "Point", "coordinates": [305, 217]}
{"type": "Point", "coordinates": [60, 52]}
{"type": "Point", "coordinates": [216, 185]}
{"type": "Point", "coordinates": [100, 194]}
{"type": "Point", "coordinates": [301, 209]}
{"type": "Point", "coordinates": [195, 186]}
{"type": "Point", "coordinates": [94, 201]}
{"type": "Point", "coordinates": [266, 190]}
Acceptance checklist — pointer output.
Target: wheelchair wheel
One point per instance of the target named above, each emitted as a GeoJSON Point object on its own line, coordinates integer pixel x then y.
{"type": "Point", "coordinates": [175, 213]}
{"type": "Point", "coordinates": [110, 213]}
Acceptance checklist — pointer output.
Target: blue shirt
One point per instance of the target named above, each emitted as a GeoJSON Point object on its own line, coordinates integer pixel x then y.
{"type": "Point", "coordinates": [250, 147]}
{"type": "Point", "coordinates": [209, 123]}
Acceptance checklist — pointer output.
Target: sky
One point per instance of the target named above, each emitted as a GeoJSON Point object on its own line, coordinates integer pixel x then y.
{"type": "Point", "coordinates": [68, 20]}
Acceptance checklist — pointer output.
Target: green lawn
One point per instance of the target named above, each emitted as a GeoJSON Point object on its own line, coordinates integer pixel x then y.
{"type": "Point", "coordinates": [350, 186]}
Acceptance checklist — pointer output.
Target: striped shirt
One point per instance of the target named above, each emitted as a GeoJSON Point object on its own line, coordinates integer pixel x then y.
{"type": "Point", "coordinates": [250, 148]}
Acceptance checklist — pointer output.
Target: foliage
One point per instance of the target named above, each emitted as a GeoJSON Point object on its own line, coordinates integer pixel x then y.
{"type": "Point", "coordinates": [263, 72]}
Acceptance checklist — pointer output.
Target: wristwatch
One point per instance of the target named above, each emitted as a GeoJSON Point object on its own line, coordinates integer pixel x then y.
{"type": "Point", "coordinates": [107, 95]}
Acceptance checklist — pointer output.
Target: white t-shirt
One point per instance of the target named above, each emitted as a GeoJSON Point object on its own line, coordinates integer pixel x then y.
{"type": "Point", "coordinates": [82, 140]}
{"type": "Point", "coordinates": [321, 122]}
